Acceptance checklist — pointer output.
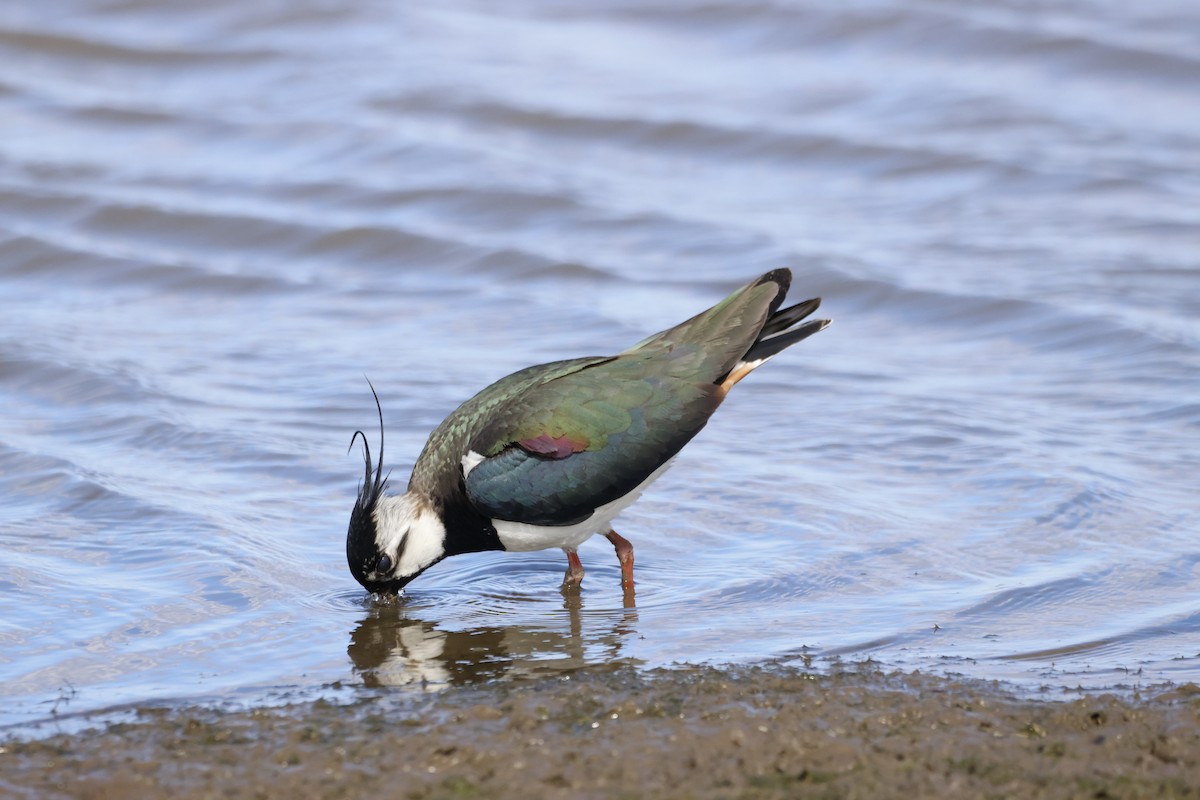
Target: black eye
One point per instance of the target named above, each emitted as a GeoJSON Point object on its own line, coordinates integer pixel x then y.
{"type": "Point", "coordinates": [384, 564]}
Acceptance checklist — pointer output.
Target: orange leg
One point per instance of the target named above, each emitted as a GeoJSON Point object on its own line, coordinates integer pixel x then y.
{"type": "Point", "coordinates": [624, 555]}
{"type": "Point", "coordinates": [574, 575]}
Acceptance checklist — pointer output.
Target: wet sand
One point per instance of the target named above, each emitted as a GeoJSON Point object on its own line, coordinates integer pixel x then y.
{"type": "Point", "coordinates": [703, 733]}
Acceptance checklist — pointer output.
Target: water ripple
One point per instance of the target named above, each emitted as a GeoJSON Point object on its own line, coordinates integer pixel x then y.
{"type": "Point", "coordinates": [986, 464]}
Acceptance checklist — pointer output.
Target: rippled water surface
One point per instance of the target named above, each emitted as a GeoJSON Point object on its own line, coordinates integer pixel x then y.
{"type": "Point", "coordinates": [215, 218]}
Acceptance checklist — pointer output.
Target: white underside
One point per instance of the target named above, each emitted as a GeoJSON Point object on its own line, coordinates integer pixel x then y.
{"type": "Point", "coordinates": [521, 537]}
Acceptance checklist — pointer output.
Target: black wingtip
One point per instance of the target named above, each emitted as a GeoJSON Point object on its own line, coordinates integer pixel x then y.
{"type": "Point", "coordinates": [782, 278]}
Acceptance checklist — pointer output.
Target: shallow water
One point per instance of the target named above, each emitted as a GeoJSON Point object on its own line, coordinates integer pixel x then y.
{"type": "Point", "coordinates": [214, 221]}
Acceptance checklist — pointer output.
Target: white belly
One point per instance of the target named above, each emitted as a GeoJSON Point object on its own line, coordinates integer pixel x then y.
{"type": "Point", "coordinates": [522, 537]}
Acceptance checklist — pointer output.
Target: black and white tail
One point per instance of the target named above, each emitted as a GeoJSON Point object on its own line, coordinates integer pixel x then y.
{"type": "Point", "coordinates": [782, 330]}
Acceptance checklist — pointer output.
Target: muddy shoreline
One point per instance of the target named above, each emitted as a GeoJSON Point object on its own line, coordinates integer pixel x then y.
{"type": "Point", "coordinates": [703, 732]}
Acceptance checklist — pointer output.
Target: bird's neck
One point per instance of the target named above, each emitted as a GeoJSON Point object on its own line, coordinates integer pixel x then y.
{"type": "Point", "coordinates": [467, 530]}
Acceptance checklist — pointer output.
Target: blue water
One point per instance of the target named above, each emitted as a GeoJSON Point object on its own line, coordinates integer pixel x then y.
{"type": "Point", "coordinates": [214, 220]}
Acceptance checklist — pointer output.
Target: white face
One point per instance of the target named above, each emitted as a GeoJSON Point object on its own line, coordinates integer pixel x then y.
{"type": "Point", "coordinates": [409, 537]}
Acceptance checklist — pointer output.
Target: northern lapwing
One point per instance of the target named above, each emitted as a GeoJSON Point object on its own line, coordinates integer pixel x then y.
{"type": "Point", "coordinates": [549, 455]}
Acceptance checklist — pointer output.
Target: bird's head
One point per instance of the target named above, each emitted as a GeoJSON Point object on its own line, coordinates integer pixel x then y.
{"type": "Point", "coordinates": [391, 540]}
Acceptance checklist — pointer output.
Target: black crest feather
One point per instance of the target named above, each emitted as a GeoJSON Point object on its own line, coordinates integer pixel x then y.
{"type": "Point", "coordinates": [372, 486]}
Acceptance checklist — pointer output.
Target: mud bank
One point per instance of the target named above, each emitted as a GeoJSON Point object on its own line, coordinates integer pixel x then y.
{"type": "Point", "coordinates": [703, 733]}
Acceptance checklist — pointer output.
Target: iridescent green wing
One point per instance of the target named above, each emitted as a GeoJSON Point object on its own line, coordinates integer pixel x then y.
{"type": "Point", "coordinates": [575, 443]}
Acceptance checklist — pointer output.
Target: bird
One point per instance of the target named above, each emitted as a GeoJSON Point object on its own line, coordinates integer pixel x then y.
{"type": "Point", "coordinates": [548, 456]}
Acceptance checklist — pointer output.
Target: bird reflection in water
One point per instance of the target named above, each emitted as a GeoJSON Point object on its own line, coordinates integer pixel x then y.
{"type": "Point", "coordinates": [393, 646]}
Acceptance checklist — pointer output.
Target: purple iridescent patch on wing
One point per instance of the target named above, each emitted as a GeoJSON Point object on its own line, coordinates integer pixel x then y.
{"type": "Point", "coordinates": [554, 446]}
